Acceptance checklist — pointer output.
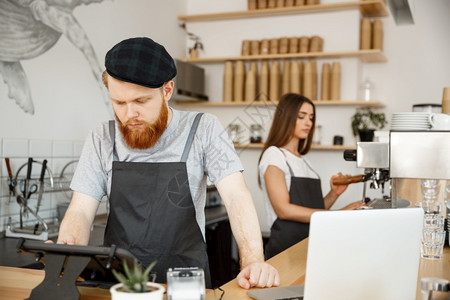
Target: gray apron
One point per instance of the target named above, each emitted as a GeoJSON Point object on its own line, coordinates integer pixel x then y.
{"type": "Point", "coordinates": [305, 192]}
{"type": "Point", "coordinates": [152, 213]}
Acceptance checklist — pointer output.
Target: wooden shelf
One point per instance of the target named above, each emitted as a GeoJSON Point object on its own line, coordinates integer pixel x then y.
{"type": "Point", "coordinates": [372, 103]}
{"type": "Point", "coordinates": [368, 8]}
{"type": "Point", "coordinates": [333, 147]}
{"type": "Point", "coordinates": [369, 56]}
{"type": "Point", "coordinates": [313, 147]}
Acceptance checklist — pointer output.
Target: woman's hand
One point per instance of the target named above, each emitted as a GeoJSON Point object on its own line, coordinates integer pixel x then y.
{"type": "Point", "coordinates": [335, 192]}
{"type": "Point", "coordinates": [354, 205]}
{"type": "Point", "coordinates": [338, 189]}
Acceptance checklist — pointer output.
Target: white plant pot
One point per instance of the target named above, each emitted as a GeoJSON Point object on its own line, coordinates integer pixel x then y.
{"type": "Point", "coordinates": [152, 295]}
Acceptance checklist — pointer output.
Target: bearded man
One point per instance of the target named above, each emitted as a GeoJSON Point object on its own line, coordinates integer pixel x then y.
{"type": "Point", "coordinates": [151, 163]}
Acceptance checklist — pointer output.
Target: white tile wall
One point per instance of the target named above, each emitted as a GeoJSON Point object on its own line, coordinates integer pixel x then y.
{"type": "Point", "coordinates": [59, 154]}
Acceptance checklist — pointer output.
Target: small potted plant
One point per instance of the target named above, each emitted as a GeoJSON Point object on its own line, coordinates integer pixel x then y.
{"type": "Point", "coordinates": [365, 121]}
{"type": "Point", "coordinates": [134, 284]}
{"type": "Point", "coordinates": [193, 52]}
{"type": "Point", "coordinates": [198, 45]}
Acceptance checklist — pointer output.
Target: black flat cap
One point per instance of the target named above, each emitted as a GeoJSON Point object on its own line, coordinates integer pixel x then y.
{"type": "Point", "coordinates": [140, 61]}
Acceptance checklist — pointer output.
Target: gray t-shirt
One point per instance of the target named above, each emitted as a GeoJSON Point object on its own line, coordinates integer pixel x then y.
{"type": "Point", "coordinates": [212, 154]}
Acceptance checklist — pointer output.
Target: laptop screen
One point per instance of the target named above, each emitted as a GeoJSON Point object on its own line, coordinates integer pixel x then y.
{"type": "Point", "coordinates": [360, 254]}
{"type": "Point", "coordinates": [364, 254]}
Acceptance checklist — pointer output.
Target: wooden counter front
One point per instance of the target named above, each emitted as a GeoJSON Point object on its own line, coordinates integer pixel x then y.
{"type": "Point", "coordinates": [16, 283]}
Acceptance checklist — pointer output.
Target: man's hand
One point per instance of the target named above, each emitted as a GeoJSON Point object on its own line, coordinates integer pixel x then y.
{"type": "Point", "coordinates": [258, 275]}
{"type": "Point", "coordinates": [67, 240]}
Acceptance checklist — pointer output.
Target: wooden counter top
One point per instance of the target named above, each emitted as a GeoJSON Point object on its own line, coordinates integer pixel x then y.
{"type": "Point", "coordinates": [16, 283]}
{"type": "Point", "coordinates": [291, 265]}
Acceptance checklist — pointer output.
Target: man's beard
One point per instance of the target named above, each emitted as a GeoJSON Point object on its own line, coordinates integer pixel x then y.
{"type": "Point", "coordinates": [147, 135]}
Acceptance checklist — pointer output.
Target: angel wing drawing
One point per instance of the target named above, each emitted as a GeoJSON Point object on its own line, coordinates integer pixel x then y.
{"type": "Point", "coordinates": [29, 28]}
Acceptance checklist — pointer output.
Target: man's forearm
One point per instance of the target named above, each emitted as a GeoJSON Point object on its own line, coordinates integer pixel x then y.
{"type": "Point", "coordinates": [243, 218]}
{"type": "Point", "coordinates": [75, 228]}
{"type": "Point", "coordinates": [246, 230]}
{"type": "Point", "coordinates": [76, 225]}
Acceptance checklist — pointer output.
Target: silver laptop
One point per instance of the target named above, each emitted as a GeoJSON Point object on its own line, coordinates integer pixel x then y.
{"type": "Point", "coordinates": [360, 254]}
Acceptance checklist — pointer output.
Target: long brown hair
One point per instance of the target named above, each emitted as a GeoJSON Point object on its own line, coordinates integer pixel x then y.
{"type": "Point", "coordinates": [283, 124]}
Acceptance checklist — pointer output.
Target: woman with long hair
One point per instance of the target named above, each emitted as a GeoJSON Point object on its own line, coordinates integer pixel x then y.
{"type": "Point", "coordinates": [292, 188]}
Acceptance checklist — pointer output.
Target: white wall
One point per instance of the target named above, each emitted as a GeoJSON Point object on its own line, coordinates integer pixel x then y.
{"type": "Point", "coordinates": [416, 72]}
{"type": "Point", "coordinates": [68, 103]}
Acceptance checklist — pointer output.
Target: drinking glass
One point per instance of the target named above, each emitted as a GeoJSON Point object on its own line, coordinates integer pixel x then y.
{"type": "Point", "coordinates": [433, 236]}
{"type": "Point", "coordinates": [447, 204]}
{"type": "Point", "coordinates": [430, 189]}
{"type": "Point", "coordinates": [430, 207]}
{"type": "Point", "coordinates": [433, 222]}
{"type": "Point", "coordinates": [432, 244]}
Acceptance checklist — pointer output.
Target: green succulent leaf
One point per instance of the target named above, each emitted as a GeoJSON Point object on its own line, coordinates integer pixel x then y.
{"type": "Point", "coordinates": [134, 280]}
{"type": "Point", "coordinates": [149, 268]}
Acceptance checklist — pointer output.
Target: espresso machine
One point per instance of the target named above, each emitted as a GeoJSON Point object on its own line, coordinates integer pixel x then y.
{"type": "Point", "coordinates": [408, 154]}
{"type": "Point", "coordinates": [373, 157]}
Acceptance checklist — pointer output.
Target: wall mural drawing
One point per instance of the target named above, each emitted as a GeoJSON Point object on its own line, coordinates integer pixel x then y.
{"type": "Point", "coordinates": [28, 28]}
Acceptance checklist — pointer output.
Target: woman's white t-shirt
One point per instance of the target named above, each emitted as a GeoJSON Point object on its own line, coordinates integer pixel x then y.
{"type": "Point", "coordinates": [274, 156]}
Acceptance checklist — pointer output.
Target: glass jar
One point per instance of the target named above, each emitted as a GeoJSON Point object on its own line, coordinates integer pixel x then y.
{"type": "Point", "coordinates": [255, 133]}
{"type": "Point", "coordinates": [317, 138]}
{"type": "Point", "coordinates": [233, 132]}
{"type": "Point", "coordinates": [366, 90]}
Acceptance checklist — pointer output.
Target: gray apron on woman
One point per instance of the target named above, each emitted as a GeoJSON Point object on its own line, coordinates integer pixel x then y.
{"type": "Point", "coordinates": [152, 213]}
{"type": "Point", "coordinates": [305, 192]}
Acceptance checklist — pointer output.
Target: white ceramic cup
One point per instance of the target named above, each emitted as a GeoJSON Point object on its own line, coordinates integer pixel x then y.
{"type": "Point", "coordinates": [439, 121]}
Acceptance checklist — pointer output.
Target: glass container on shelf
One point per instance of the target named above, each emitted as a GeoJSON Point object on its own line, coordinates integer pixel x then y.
{"type": "Point", "coordinates": [317, 138]}
{"type": "Point", "coordinates": [366, 90]}
{"type": "Point", "coordinates": [233, 132]}
{"type": "Point", "coordinates": [255, 133]}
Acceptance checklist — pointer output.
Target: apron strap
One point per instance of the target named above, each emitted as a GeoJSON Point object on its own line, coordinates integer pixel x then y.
{"type": "Point", "coordinates": [306, 162]}
{"type": "Point", "coordinates": [190, 138]}
{"type": "Point", "coordinates": [112, 135]}
{"type": "Point", "coordinates": [290, 169]}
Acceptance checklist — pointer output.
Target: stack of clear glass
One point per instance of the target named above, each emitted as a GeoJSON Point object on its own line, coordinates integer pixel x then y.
{"type": "Point", "coordinates": [433, 235]}
{"type": "Point", "coordinates": [447, 204]}
{"type": "Point", "coordinates": [430, 192]}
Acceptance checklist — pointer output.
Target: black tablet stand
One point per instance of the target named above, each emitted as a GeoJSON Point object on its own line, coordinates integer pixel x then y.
{"type": "Point", "coordinates": [62, 268]}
